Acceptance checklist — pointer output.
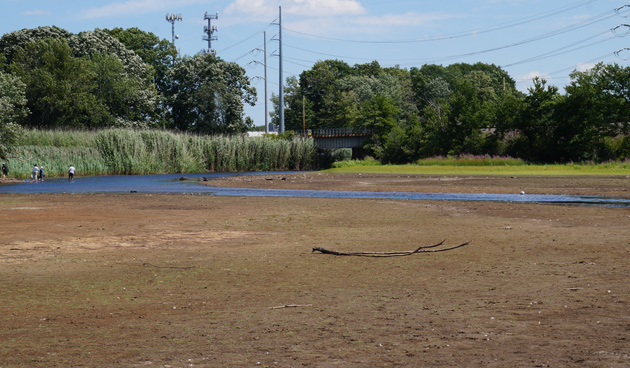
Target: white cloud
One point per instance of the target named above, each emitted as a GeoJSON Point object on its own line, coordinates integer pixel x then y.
{"type": "Point", "coordinates": [531, 75]}
{"type": "Point", "coordinates": [36, 12]}
{"type": "Point", "coordinates": [582, 67]}
{"type": "Point", "coordinates": [305, 8]}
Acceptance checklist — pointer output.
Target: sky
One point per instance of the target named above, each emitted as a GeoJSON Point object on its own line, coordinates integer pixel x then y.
{"type": "Point", "coordinates": [527, 38]}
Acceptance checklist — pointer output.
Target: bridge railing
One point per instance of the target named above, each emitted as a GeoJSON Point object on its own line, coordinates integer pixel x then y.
{"type": "Point", "coordinates": [339, 132]}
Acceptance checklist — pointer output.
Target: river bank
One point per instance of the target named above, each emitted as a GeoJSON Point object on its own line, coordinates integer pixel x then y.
{"type": "Point", "coordinates": [131, 279]}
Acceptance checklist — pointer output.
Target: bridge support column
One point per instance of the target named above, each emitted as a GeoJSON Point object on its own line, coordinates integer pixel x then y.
{"type": "Point", "coordinates": [358, 153]}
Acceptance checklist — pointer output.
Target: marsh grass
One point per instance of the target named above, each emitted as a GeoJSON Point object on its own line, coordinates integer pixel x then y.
{"type": "Point", "coordinates": [130, 152]}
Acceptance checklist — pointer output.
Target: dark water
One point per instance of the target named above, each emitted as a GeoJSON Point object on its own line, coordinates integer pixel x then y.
{"type": "Point", "coordinates": [170, 183]}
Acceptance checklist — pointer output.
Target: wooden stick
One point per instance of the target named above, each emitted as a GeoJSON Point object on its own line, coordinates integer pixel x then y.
{"type": "Point", "coordinates": [291, 306]}
{"type": "Point", "coordinates": [421, 249]}
{"type": "Point", "coordinates": [173, 267]}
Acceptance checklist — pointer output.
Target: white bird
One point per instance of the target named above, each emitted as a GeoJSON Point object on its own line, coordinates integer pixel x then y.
{"type": "Point", "coordinates": [522, 192]}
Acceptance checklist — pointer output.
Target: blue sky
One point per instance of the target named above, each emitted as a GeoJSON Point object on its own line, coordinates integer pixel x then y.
{"type": "Point", "coordinates": [526, 37]}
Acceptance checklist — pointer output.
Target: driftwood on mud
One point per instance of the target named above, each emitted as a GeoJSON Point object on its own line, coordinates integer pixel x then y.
{"type": "Point", "coordinates": [173, 267]}
{"type": "Point", "coordinates": [421, 249]}
{"type": "Point", "coordinates": [291, 306]}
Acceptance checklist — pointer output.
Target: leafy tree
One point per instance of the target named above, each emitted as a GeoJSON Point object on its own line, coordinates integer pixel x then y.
{"type": "Point", "coordinates": [158, 54]}
{"type": "Point", "coordinates": [403, 145]}
{"type": "Point", "coordinates": [293, 106]}
{"type": "Point", "coordinates": [596, 107]}
{"type": "Point", "coordinates": [12, 110]}
{"type": "Point", "coordinates": [372, 69]}
{"type": "Point", "coordinates": [86, 52]}
{"type": "Point", "coordinates": [207, 95]}
{"type": "Point", "coordinates": [58, 86]}
{"type": "Point", "coordinates": [505, 119]}
{"type": "Point", "coordinates": [536, 124]}
{"type": "Point", "coordinates": [12, 41]}
{"type": "Point", "coordinates": [155, 52]}
{"type": "Point", "coordinates": [319, 86]}
{"type": "Point", "coordinates": [379, 115]}
{"type": "Point", "coordinates": [125, 97]}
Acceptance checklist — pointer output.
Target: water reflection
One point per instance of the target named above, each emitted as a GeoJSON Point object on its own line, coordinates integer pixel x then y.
{"type": "Point", "coordinates": [171, 183]}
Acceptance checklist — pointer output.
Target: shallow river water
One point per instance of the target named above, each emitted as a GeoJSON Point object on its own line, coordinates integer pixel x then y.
{"type": "Point", "coordinates": [171, 183]}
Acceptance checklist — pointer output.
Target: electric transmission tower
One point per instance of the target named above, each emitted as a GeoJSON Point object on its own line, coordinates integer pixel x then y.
{"type": "Point", "coordinates": [209, 30]}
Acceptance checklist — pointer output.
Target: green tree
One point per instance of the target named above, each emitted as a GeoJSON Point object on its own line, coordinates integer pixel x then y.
{"type": "Point", "coordinates": [158, 54]}
{"type": "Point", "coordinates": [155, 52]}
{"type": "Point", "coordinates": [12, 41]}
{"type": "Point", "coordinates": [124, 96]}
{"type": "Point", "coordinates": [207, 95]}
{"type": "Point", "coordinates": [536, 124]}
{"type": "Point", "coordinates": [293, 107]}
{"type": "Point", "coordinates": [86, 51]}
{"type": "Point", "coordinates": [319, 85]}
{"type": "Point", "coordinates": [12, 111]}
{"type": "Point", "coordinates": [58, 86]}
{"type": "Point", "coordinates": [596, 107]}
{"type": "Point", "coordinates": [378, 115]}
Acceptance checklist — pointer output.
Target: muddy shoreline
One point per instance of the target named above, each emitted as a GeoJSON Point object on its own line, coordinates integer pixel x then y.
{"type": "Point", "coordinates": [174, 280]}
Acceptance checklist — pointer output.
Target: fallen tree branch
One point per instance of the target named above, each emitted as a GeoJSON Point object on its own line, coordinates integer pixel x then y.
{"type": "Point", "coordinates": [291, 306]}
{"type": "Point", "coordinates": [174, 267]}
{"type": "Point", "coordinates": [421, 249]}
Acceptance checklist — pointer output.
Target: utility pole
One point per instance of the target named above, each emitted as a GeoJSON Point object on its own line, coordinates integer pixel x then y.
{"type": "Point", "coordinates": [209, 31]}
{"type": "Point", "coordinates": [265, 78]}
{"type": "Point", "coordinates": [266, 99]}
{"type": "Point", "coordinates": [304, 116]}
{"type": "Point", "coordinates": [172, 18]}
{"type": "Point", "coordinates": [281, 90]}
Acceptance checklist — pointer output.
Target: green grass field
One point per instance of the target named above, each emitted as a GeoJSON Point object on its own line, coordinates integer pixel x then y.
{"type": "Point", "coordinates": [453, 167]}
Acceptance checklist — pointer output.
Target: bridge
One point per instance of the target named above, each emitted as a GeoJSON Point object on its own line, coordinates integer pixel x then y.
{"type": "Point", "coordinates": [335, 138]}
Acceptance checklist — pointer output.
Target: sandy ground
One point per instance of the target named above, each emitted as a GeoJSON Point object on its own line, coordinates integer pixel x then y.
{"type": "Point", "coordinates": [138, 280]}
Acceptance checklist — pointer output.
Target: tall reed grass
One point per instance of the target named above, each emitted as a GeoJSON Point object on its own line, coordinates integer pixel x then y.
{"type": "Point", "coordinates": [127, 152]}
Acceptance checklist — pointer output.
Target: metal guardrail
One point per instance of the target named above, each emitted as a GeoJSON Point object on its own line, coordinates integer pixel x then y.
{"type": "Point", "coordinates": [339, 137]}
{"type": "Point", "coordinates": [339, 132]}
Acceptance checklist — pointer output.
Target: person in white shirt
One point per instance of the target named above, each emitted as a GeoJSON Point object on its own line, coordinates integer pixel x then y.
{"type": "Point", "coordinates": [35, 172]}
{"type": "Point", "coordinates": [71, 173]}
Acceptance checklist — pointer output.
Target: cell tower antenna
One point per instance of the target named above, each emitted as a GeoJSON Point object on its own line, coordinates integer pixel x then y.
{"type": "Point", "coordinates": [209, 30]}
{"type": "Point", "coordinates": [172, 18]}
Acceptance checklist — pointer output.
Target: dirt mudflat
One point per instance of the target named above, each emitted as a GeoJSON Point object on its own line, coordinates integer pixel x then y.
{"type": "Point", "coordinates": [140, 280]}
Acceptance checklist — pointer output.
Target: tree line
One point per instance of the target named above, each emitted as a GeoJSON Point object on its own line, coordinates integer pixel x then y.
{"type": "Point", "coordinates": [462, 108]}
{"type": "Point", "coordinates": [123, 78]}
{"type": "Point", "coordinates": [128, 78]}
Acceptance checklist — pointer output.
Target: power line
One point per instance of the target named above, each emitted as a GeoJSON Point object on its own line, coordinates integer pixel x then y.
{"type": "Point", "coordinates": [255, 34]}
{"type": "Point", "coordinates": [574, 67]}
{"type": "Point", "coordinates": [566, 29]}
{"type": "Point", "coordinates": [557, 52]}
{"type": "Point", "coordinates": [460, 34]}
